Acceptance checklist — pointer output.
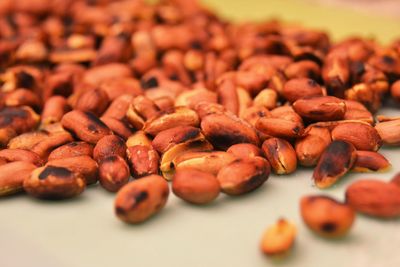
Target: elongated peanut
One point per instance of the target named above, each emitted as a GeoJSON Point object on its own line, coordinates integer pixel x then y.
{"type": "Point", "coordinates": [27, 140]}
{"type": "Point", "coordinates": [109, 145]}
{"type": "Point", "coordinates": [368, 161]}
{"type": "Point", "coordinates": [357, 111]}
{"type": "Point", "coordinates": [118, 107]}
{"type": "Point", "coordinates": [45, 146]}
{"type": "Point", "coordinates": [20, 119]}
{"type": "Point", "coordinates": [375, 198]}
{"type": "Point", "coordinates": [320, 108]}
{"type": "Point", "coordinates": [140, 199]}
{"type": "Point", "coordinates": [85, 125]}
{"type": "Point", "coordinates": [389, 131]}
{"type": "Point", "coordinates": [278, 239]}
{"type": "Point", "coordinates": [11, 155]}
{"type": "Point", "coordinates": [51, 182]}
{"type": "Point", "coordinates": [245, 150]}
{"type": "Point", "coordinates": [280, 127]}
{"type": "Point", "coordinates": [326, 216]}
{"type": "Point", "coordinates": [337, 159]}
{"type": "Point", "coordinates": [84, 166]}
{"type": "Point", "coordinates": [195, 186]}
{"type": "Point", "coordinates": [72, 149]}
{"type": "Point", "coordinates": [113, 172]}
{"type": "Point", "coordinates": [166, 139]}
{"type": "Point", "coordinates": [118, 127]}
{"type": "Point", "coordinates": [298, 88]}
{"type": "Point", "coordinates": [142, 160]}
{"type": "Point", "coordinates": [54, 109]}
{"type": "Point", "coordinates": [281, 155]}
{"type": "Point", "coordinates": [243, 175]}
{"type": "Point", "coordinates": [362, 135]}
{"type": "Point", "coordinates": [12, 176]}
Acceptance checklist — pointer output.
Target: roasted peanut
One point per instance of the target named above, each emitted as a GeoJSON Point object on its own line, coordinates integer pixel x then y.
{"type": "Point", "coordinates": [140, 199]}
{"type": "Point", "coordinates": [245, 150]}
{"type": "Point", "coordinates": [6, 135]}
{"type": "Point", "coordinates": [279, 238]}
{"type": "Point", "coordinates": [195, 186]}
{"type": "Point", "coordinates": [280, 127]}
{"type": "Point", "coordinates": [27, 140]}
{"type": "Point", "coordinates": [337, 159]}
{"type": "Point", "coordinates": [85, 125]}
{"type": "Point", "coordinates": [12, 176]}
{"type": "Point", "coordinates": [395, 90]}
{"type": "Point", "coordinates": [54, 109]}
{"type": "Point", "coordinates": [357, 111]}
{"type": "Point", "coordinates": [396, 179]}
{"type": "Point", "coordinates": [362, 135]}
{"type": "Point", "coordinates": [45, 146]}
{"type": "Point", "coordinates": [312, 145]}
{"type": "Point", "coordinates": [11, 155]}
{"type": "Point", "coordinates": [94, 101]}
{"type": "Point", "coordinates": [20, 119]}
{"type": "Point", "coordinates": [320, 108]}
{"type": "Point", "coordinates": [109, 145]}
{"type": "Point", "coordinates": [368, 161]}
{"type": "Point", "coordinates": [113, 172]}
{"type": "Point", "coordinates": [51, 182]}
{"type": "Point", "coordinates": [243, 175]}
{"type": "Point", "coordinates": [118, 107]}
{"type": "Point", "coordinates": [389, 131]}
{"type": "Point", "coordinates": [72, 149]}
{"type": "Point", "coordinates": [374, 197]}
{"type": "Point", "coordinates": [326, 216]}
{"type": "Point", "coordinates": [118, 127]}
{"type": "Point", "coordinates": [267, 98]}
{"type": "Point", "coordinates": [281, 155]}
{"type": "Point", "coordinates": [298, 88]}
{"type": "Point", "coordinates": [143, 160]}
{"type": "Point", "coordinates": [191, 98]}
{"type": "Point", "coordinates": [138, 138]}
{"type": "Point", "coordinates": [168, 138]}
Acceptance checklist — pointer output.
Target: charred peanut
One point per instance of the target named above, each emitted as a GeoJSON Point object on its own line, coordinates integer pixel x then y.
{"type": "Point", "coordinates": [27, 140]}
{"type": "Point", "coordinates": [245, 150]}
{"type": "Point", "coordinates": [51, 182]}
{"type": "Point", "coordinates": [138, 138]}
{"type": "Point", "coordinates": [243, 175]}
{"type": "Point", "coordinates": [85, 166]}
{"type": "Point", "coordinates": [45, 146]}
{"type": "Point", "coordinates": [298, 88]}
{"type": "Point", "coordinates": [85, 125]}
{"type": "Point", "coordinates": [312, 145]}
{"type": "Point", "coordinates": [113, 172]}
{"type": "Point", "coordinates": [320, 108]}
{"type": "Point", "coordinates": [54, 109]}
{"type": "Point", "coordinates": [375, 198]}
{"type": "Point", "coordinates": [195, 186]}
{"type": "Point", "coordinates": [118, 127]}
{"type": "Point", "coordinates": [140, 199]}
{"type": "Point", "coordinates": [181, 116]}
{"type": "Point", "coordinates": [224, 130]}
{"type": "Point", "coordinates": [280, 127]}
{"type": "Point", "coordinates": [362, 135]}
{"type": "Point", "coordinates": [143, 160]}
{"type": "Point", "coordinates": [94, 101]}
{"type": "Point", "coordinates": [278, 239]}
{"type": "Point", "coordinates": [369, 161]}
{"type": "Point", "coordinates": [395, 90]}
{"type": "Point", "coordinates": [12, 176]}
{"type": "Point", "coordinates": [326, 216]}
{"type": "Point", "coordinates": [11, 155]}
{"type": "Point", "coordinates": [72, 149]}
{"type": "Point", "coordinates": [168, 138]}
{"type": "Point", "coordinates": [337, 159]}
{"type": "Point", "coordinates": [109, 145]}
{"type": "Point", "coordinates": [389, 131]}
{"type": "Point", "coordinates": [20, 119]}
{"type": "Point", "coordinates": [281, 155]}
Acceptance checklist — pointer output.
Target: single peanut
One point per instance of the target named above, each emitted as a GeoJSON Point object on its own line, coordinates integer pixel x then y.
{"type": "Point", "coordinates": [72, 149]}
{"type": "Point", "coordinates": [369, 161]}
{"type": "Point", "coordinates": [113, 172]}
{"type": "Point", "coordinates": [245, 150]}
{"type": "Point", "coordinates": [109, 145]}
{"type": "Point", "coordinates": [281, 155]}
{"type": "Point", "coordinates": [12, 176]}
{"type": "Point", "coordinates": [143, 160]}
{"type": "Point", "coordinates": [279, 238]}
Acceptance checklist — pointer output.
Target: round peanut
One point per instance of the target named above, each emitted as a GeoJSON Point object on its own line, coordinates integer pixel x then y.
{"type": "Point", "coordinates": [113, 173]}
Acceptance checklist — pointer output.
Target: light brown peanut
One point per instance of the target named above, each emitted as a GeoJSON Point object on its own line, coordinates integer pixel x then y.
{"type": "Point", "coordinates": [278, 239]}
{"type": "Point", "coordinates": [72, 149]}
{"type": "Point", "coordinates": [389, 131]}
{"type": "Point", "coordinates": [12, 176]}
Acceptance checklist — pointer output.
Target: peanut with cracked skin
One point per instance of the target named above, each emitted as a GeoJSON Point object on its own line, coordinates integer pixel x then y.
{"type": "Point", "coordinates": [278, 239]}
{"type": "Point", "coordinates": [326, 216]}
{"type": "Point", "coordinates": [245, 150]}
{"type": "Point", "coordinates": [143, 160]}
{"type": "Point", "coordinates": [281, 155]}
{"type": "Point", "coordinates": [140, 199]}
{"type": "Point", "coordinates": [195, 186]}
{"type": "Point", "coordinates": [113, 172]}
{"type": "Point", "coordinates": [320, 108]}
{"type": "Point", "coordinates": [71, 149]}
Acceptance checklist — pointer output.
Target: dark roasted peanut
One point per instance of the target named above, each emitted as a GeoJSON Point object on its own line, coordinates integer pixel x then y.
{"type": "Point", "coordinates": [245, 150]}
{"type": "Point", "coordinates": [243, 175]}
{"type": "Point", "coordinates": [85, 125]}
{"type": "Point", "coordinates": [12, 176]}
{"type": "Point", "coordinates": [143, 160]}
{"type": "Point", "coordinates": [27, 140]}
{"type": "Point", "coordinates": [280, 155]}
{"type": "Point", "coordinates": [113, 172]}
{"type": "Point", "coordinates": [54, 109]}
{"type": "Point", "coordinates": [139, 200]}
{"type": "Point", "coordinates": [51, 182]}
{"type": "Point", "coordinates": [298, 88]}
{"type": "Point", "coordinates": [280, 127]}
{"type": "Point", "coordinates": [224, 130]}
{"type": "Point", "coordinates": [195, 186]}
{"type": "Point", "coordinates": [375, 198]}
{"type": "Point", "coordinates": [369, 161]}
{"type": "Point", "coordinates": [85, 166]}
{"type": "Point", "coordinates": [362, 135]}
{"type": "Point", "coordinates": [326, 216]}
{"type": "Point", "coordinates": [279, 238]}
{"type": "Point", "coordinates": [20, 119]}
{"type": "Point", "coordinates": [312, 145]}
{"type": "Point", "coordinates": [337, 159]}
{"type": "Point", "coordinates": [11, 155]}
{"type": "Point", "coordinates": [54, 140]}
{"type": "Point", "coordinates": [72, 149]}
{"type": "Point", "coordinates": [109, 145]}
{"type": "Point", "coordinates": [22, 97]}
{"type": "Point", "coordinates": [168, 138]}
{"type": "Point", "coordinates": [389, 131]}
{"type": "Point", "coordinates": [320, 108]}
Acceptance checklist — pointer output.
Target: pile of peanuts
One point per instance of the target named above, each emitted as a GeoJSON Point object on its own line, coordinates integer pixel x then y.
{"type": "Point", "coordinates": [134, 95]}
